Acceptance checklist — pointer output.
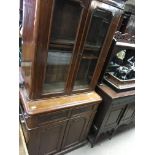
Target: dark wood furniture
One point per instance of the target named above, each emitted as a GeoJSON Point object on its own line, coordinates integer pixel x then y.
{"type": "Point", "coordinates": [57, 125]}
{"type": "Point", "coordinates": [116, 110]}
{"type": "Point", "coordinates": [61, 55]}
{"type": "Point", "coordinates": [61, 63]}
{"type": "Point", "coordinates": [118, 106]}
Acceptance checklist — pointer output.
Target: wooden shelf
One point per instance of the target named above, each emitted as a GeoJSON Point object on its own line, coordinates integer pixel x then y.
{"type": "Point", "coordinates": [90, 46]}
{"type": "Point", "coordinates": [89, 57]}
{"type": "Point", "coordinates": [63, 42]}
{"type": "Point", "coordinates": [58, 46]}
{"type": "Point", "coordinates": [69, 45]}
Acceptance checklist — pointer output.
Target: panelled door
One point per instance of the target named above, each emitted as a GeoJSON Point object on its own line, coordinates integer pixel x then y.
{"type": "Point", "coordinates": [113, 117]}
{"type": "Point", "coordinates": [76, 130]}
{"type": "Point", "coordinates": [129, 114]}
{"type": "Point", "coordinates": [51, 138]}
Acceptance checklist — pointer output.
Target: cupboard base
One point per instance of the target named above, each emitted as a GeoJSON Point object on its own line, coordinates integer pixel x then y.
{"type": "Point", "coordinates": [93, 140]}
{"type": "Point", "coordinates": [72, 148]}
{"type": "Point", "coordinates": [24, 147]}
{"type": "Point", "coordinates": [57, 125]}
{"type": "Point", "coordinates": [117, 111]}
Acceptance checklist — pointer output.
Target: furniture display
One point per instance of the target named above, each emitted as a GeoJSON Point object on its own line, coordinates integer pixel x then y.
{"type": "Point", "coordinates": [59, 57]}
{"type": "Point", "coordinates": [116, 110]}
{"type": "Point", "coordinates": [61, 61]}
{"type": "Point", "coordinates": [116, 86]}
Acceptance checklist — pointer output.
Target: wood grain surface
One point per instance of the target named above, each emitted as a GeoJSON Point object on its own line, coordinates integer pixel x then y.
{"type": "Point", "coordinates": [113, 94]}
{"type": "Point", "coordinates": [57, 103]}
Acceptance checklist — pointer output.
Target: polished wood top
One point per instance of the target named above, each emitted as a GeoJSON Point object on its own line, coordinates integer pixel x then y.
{"type": "Point", "coordinates": [33, 107]}
{"type": "Point", "coordinates": [113, 94]}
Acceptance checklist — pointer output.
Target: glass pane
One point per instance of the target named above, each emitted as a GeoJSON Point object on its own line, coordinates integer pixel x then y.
{"type": "Point", "coordinates": [64, 27]}
{"type": "Point", "coordinates": [85, 73]}
{"type": "Point", "coordinates": [65, 21]}
{"type": "Point", "coordinates": [56, 70]}
{"type": "Point", "coordinates": [122, 63]}
{"type": "Point", "coordinates": [96, 36]}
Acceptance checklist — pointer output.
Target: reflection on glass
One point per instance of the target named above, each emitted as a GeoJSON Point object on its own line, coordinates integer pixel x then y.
{"type": "Point", "coordinates": [56, 70]}
{"type": "Point", "coordinates": [85, 73]}
{"type": "Point", "coordinates": [95, 38]}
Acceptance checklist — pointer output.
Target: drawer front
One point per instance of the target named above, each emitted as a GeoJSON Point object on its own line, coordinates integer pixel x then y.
{"type": "Point", "coordinates": [53, 116]}
{"type": "Point", "coordinates": [84, 109]}
{"type": "Point", "coordinates": [124, 100]}
{"type": "Point", "coordinates": [42, 119]}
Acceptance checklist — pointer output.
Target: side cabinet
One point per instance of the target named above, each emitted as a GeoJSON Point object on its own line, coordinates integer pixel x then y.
{"type": "Point", "coordinates": [116, 110]}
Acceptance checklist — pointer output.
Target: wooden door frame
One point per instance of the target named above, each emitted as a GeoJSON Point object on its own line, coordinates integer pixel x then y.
{"type": "Point", "coordinates": [41, 40]}
{"type": "Point", "coordinates": [44, 19]}
{"type": "Point", "coordinates": [104, 49]}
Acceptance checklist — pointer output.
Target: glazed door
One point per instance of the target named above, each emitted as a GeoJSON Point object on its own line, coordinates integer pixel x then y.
{"type": "Point", "coordinates": [65, 27]}
{"type": "Point", "coordinates": [99, 22]}
{"type": "Point", "coordinates": [73, 38]}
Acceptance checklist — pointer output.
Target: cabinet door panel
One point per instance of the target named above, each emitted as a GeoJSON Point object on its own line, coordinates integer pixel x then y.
{"type": "Point", "coordinates": [129, 114]}
{"type": "Point", "coordinates": [100, 18]}
{"type": "Point", "coordinates": [51, 138]}
{"type": "Point", "coordinates": [76, 130]}
{"type": "Point", "coordinates": [113, 117]}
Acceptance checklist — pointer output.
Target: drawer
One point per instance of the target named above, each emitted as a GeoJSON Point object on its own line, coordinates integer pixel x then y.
{"type": "Point", "coordinates": [34, 121]}
{"type": "Point", "coordinates": [53, 116]}
{"type": "Point", "coordinates": [83, 109]}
